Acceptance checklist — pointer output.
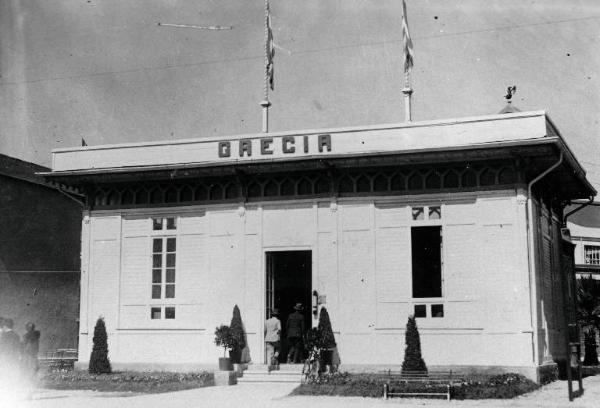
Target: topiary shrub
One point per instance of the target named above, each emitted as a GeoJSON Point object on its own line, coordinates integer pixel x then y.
{"type": "Point", "coordinates": [237, 334]}
{"type": "Point", "coordinates": [412, 354]}
{"type": "Point", "coordinates": [224, 338]}
{"type": "Point", "coordinates": [324, 328]}
{"type": "Point", "coordinates": [99, 363]}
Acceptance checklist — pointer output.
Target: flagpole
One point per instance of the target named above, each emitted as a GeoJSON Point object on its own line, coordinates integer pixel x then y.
{"type": "Point", "coordinates": [265, 103]}
{"type": "Point", "coordinates": [407, 91]}
{"type": "Point", "coordinates": [408, 63]}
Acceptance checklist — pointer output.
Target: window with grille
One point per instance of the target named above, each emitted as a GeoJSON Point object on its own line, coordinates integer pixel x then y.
{"type": "Point", "coordinates": [592, 254]}
{"type": "Point", "coordinates": [164, 261]}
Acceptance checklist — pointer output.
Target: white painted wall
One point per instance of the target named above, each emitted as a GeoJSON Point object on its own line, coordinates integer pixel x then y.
{"type": "Point", "coordinates": [361, 262]}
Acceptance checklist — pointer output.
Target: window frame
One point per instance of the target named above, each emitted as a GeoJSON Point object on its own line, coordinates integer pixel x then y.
{"type": "Point", "coordinates": [168, 231]}
{"type": "Point", "coordinates": [430, 303]}
{"type": "Point", "coordinates": [594, 258]}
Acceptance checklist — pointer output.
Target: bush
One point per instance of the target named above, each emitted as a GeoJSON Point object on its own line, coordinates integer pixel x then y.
{"type": "Point", "coordinates": [143, 382]}
{"type": "Point", "coordinates": [99, 363]}
{"type": "Point", "coordinates": [371, 385]}
{"type": "Point", "coordinates": [500, 387]}
{"type": "Point", "coordinates": [237, 334]}
{"type": "Point", "coordinates": [324, 328]}
{"type": "Point", "coordinates": [224, 338]}
{"type": "Point", "coordinates": [412, 354]}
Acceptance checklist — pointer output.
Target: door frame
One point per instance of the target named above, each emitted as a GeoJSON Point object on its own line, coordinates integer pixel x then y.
{"type": "Point", "coordinates": [265, 250]}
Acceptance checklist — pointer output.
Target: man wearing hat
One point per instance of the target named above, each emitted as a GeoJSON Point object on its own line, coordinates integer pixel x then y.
{"type": "Point", "coordinates": [295, 330]}
{"type": "Point", "coordinates": [272, 338]}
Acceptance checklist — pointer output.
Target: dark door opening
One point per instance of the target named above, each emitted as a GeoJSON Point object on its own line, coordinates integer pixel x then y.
{"type": "Point", "coordinates": [288, 282]}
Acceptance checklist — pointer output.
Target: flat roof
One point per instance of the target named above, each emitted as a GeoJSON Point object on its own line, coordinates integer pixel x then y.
{"type": "Point", "coordinates": [509, 130]}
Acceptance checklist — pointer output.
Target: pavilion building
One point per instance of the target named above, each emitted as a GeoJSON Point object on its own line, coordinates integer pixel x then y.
{"type": "Point", "coordinates": [454, 221]}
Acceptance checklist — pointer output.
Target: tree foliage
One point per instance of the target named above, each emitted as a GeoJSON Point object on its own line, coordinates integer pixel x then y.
{"type": "Point", "coordinates": [588, 314]}
{"type": "Point", "coordinates": [99, 363]}
{"type": "Point", "coordinates": [224, 338]}
{"type": "Point", "coordinates": [412, 354]}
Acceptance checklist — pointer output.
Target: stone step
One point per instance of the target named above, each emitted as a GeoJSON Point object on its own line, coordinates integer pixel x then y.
{"type": "Point", "coordinates": [270, 378]}
{"type": "Point", "coordinates": [293, 368]}
{"type": "Point", "coordinates": [289, 373]}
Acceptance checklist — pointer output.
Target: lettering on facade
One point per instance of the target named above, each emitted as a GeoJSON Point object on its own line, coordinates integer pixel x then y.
{"type": "Point", "coordinates": [267, 145]}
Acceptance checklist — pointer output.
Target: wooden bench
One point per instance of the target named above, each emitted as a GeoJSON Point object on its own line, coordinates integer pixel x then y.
{"type": "Point", "coordinates": [59, 359]}
{"type": "Point", "coordinates": [438, 380]}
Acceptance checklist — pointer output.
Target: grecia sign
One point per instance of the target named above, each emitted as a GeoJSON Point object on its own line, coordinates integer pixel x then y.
{"type": "Point", "coordinates": [283, 145]}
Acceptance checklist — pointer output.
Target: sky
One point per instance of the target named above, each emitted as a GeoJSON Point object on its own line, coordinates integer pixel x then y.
{"type": "Point", "coordinates": [107, 72]}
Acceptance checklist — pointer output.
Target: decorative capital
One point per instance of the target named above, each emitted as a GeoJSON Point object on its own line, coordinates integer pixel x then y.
{"type": "Point", "coordinates": [265, 104]}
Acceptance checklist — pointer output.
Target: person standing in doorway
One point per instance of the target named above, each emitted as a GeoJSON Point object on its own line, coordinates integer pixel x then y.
{"type": "Point", "coordinates": [272, 338]}
{"type": "Point", "coordinates": [295, 332]}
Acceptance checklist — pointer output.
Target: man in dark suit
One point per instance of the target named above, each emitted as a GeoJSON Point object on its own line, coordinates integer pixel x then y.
{"type": "Point", "coordinates": [295, 331]}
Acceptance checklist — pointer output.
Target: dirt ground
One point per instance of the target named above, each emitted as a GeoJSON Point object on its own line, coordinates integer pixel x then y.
{"type": "Point", "coordinates": [276, 395]}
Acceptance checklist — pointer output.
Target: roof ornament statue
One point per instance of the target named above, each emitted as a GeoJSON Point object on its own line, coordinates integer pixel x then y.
{"type": "Point", "coordinates": [509, 108]}
{"type": "Point", "coordinates": [510, 92]}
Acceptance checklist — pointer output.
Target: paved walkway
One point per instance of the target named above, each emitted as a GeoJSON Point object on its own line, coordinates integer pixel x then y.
{"type": "Point", "coordinates": [276, 395]}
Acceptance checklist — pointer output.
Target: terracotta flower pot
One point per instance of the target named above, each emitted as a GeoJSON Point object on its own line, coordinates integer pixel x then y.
{"type": "Point", "coordinates": [225, 364]}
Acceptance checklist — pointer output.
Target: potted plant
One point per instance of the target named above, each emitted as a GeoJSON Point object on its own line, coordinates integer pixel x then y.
{"type": "Point", "coordinates": [225, 339]}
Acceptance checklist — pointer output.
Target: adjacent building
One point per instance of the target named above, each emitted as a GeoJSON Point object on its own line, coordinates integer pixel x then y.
{"type": "Point", "coordinates": [455, 221]}
{"type": "Point", "coordinates": [584, 226]}
{"type": "Point", "coordinates": [39, 253]}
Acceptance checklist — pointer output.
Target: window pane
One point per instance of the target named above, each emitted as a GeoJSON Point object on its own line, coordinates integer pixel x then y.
{"type": "Point", "coordinates": [156, 260]}
{"type": "Point", "coordinates": [171, 245]}
{"type": "Point", "coordinates": [592, 254]}
{"type": "Point", "coordinates": [170, 291]}
{"type": "Point", "coordinates": [170, 276]}
{"type": "Point", "coordinates": [157, 245]}
{"type": "Point", "coordinates": [437, 310]}
{"type": "Point", "coordinates": [435, 213]}
{"type": "Point", "coordinates": [156, 276]}
{"type": "Point", "coordinates": [155, 313]}
{"type": "Point", "coordinates": [157, 224]}
{"type": "Point", "coordinates": [426, 261]}
{"type": "Point", "coordinates": [171, 223]}
{"type": "Point", "coordinates": [155, 291]}
{"type": "Point", "coordinates": [420, 310]}
{"type": "Point", "coordinates": [417, 213]}
{"type": "Point", "coordinates": [170, 260]}
{"type": "Point", "coordinates": [169, 313]}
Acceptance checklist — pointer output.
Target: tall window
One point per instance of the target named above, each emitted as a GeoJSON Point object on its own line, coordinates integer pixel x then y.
{"type": "Point", "coordinates": [164, 254]}
{"type": "Point", "coordinates": [426, 251]}
{"type": "Point", "coordinates": [591, 254]}
{"type": "Point", "coordinates": [426, 261]}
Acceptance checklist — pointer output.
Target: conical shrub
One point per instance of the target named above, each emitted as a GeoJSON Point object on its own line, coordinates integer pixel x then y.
{"type": "Point", "coordinates": [237, 332]}
{"type": "Point", "coordinates": [412, 354]}
{"type": "Point", "coordinates": [325, 330]}
{"type": "Point", "coordinates": [99, 363]}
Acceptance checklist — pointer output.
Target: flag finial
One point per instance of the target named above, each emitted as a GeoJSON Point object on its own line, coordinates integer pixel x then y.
{"type": "Point", "coordinates": [407, 46]}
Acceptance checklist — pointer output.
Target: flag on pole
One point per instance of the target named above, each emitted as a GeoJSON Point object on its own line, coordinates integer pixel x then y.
{"type": "Point", "coordinates": [270, 51]}
{"type": "Point", "coordinates": [406, 40]}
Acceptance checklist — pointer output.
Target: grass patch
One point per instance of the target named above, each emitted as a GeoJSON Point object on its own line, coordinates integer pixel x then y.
{"type": "Point", "coordinates": [371, 385]}
{"type": "Point", "coordinates": [127, 381]}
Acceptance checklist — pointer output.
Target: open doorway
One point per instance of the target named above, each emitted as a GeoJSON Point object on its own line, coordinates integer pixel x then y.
{"type": "Point", "coordinates": [288, 278]}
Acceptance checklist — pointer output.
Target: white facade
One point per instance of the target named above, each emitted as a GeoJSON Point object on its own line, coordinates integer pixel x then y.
{"type": "Point", "coordinates": [361, 262]}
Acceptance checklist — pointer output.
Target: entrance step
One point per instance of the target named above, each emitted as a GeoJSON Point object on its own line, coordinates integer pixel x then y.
{"type": "Point", "coordinates": [259, 373]}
